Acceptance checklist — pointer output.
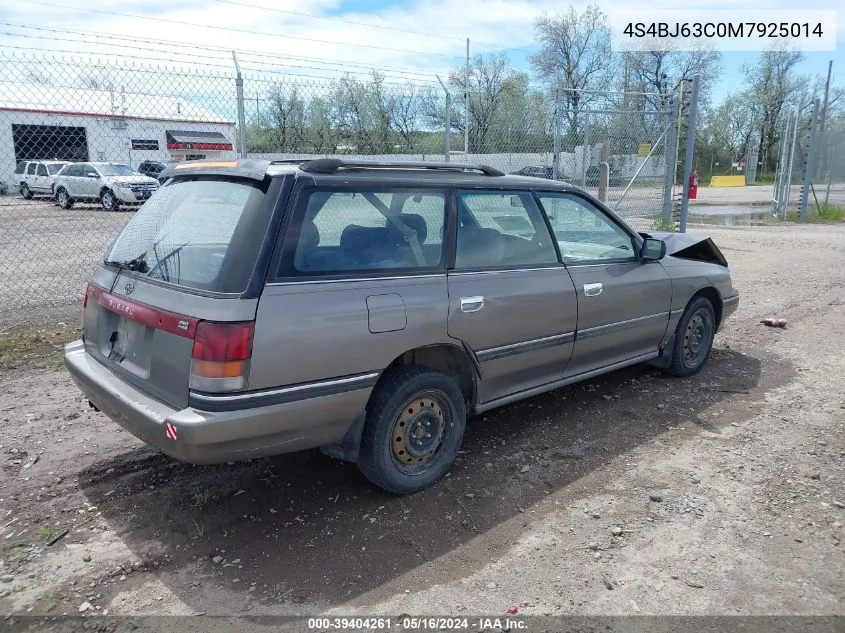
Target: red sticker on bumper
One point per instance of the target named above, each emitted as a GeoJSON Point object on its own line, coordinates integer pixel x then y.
{"type": "Point", "coordinates": [170, 431]}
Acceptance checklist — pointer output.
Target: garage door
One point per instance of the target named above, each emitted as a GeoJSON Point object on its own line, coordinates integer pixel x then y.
{"type": "Point", "coordinates": [49, 142]}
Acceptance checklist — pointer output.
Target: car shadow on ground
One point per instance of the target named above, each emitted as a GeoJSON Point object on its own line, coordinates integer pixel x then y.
{"type": "Point", "coordinates": [307, 528]}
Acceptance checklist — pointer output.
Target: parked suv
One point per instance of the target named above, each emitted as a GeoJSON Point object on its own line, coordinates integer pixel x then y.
{"type": "Point", "coordinates": [254, 308]}
{"type": "Point", "coordinates": [110, 184]}
{"type": "Point", "coordinates": [154, 168]}
{"type": "Point", "coordinates": [36, 177]}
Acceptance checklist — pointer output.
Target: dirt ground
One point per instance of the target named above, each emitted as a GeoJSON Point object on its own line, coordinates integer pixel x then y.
{"type": "Point", "coordinates": [719, 494]}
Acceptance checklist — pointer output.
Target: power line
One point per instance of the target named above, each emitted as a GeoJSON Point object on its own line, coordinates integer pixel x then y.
{"type": "Point", "coordinates": [411, 77]}
{"type": "Point", "coordinates": [342, 21]}
{"type": "Point", "coordinates": [246, 31]}
{"type": "Point", "coordinates": [226, 51]}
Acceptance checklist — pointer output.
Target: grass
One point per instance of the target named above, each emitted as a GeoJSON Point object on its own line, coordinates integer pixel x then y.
{"type": "Point", "coordinates": [828, 213]}
{"type": "Point", "coordinates": [659, 224]}
{"type": "Point", "coordinates": [199, 530]}
{"type": "Point", "coordinates": [25, 347]}
{"type": "Point", "coordinates": [18, 587]}
{"type": "Point", "coordinates": [45, 532]}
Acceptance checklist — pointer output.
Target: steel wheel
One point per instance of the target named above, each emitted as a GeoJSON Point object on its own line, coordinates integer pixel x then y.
{"type": "Point", "coordinates": [418, 432]}
{"type": "Point", "coordinates": [413, 430]}
{"type": "Point", "coordinates": [26, 193]}
{"type": "Point", "coordinates": [697, 337]}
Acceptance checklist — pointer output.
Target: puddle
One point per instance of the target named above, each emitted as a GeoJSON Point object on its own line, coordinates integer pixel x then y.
{"type": "Point", "coordinates": [732, 216]}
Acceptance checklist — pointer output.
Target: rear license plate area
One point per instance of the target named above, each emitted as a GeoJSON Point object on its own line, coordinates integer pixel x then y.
{"type": "Point", "coordinates": [127, 343]}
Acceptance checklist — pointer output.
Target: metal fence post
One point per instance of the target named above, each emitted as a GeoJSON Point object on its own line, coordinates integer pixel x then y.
{"type": "Point", "coordinates": [586, 154]}
{"type": "Point", "coordinates": [669, 157]}
{"type": "Point", "coordinates": [691, 125]}
{"type": "Point", "coordinates": [556, 142]}
{"type": "Point", "coordinates": [790, 163]}
{"type": "Point", "coordinates": [447, 138]}
{"type": "Point", "coordinates": [830, 159]}
{"type": "Point", "coordinates": [809, 164]}
{"type": "Point", "coordinates": [239, 86]}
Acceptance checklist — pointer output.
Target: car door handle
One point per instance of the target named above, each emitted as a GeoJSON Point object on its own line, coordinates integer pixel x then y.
{"type": "Point", "coordinates": [592, 290]}
{"type": "Point", "coordinates": [471, 304]}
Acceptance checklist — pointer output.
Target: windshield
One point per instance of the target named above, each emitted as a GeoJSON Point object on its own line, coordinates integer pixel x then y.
{"type": "Point", "coordinates": [201, 234]}
{"type": "Point", "coordinates": [54, 169]}
{"type": "Point", "coordinates": [116, 170]}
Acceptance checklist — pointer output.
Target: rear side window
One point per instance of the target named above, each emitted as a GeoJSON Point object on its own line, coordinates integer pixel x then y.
{"type": "Point", "coordinates": [30, 169]}
{"type": "Point", "coordinates": [501, 229]}
{"type": "Point", "coordinates": [54, 168]}
{"type": "Point", "coordinates": [21, 167]}
{"type": "Point", "coordinates": [42, 170]}
{"type": "Point", "coordinates": [365, 231]}
{"type": "Point", "coordinates": [203, 234]}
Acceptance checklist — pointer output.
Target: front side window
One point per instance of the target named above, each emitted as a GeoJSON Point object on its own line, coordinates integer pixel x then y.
{"type": "Point", "coordinates": [55, 168]}
{"type": "Point", "coordinates": [21, 167]}
{"type": "Point", "coordinates": [501, 229]}
{"type": "Point", "coordinates": [85, 169]}
{"type": "Point", "coordinates": [42, 170]}
{"type": "Point", "coordinates": [584, 232]}
{"type": "Point", "coordinates": [30, 169]}
{"type": "Point", "coordinates": [366, 231]}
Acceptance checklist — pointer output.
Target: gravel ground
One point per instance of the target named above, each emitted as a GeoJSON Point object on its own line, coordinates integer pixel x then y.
{"type": "Point", "coordinates": [719, 494]}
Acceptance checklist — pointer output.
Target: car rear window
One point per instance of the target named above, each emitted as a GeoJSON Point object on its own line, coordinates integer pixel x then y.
{"type": "Point", "coordinates": [202, 234]}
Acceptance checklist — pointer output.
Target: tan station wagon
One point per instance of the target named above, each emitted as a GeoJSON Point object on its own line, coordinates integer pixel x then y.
{"type": "Point", "coordinates": [254, 308]}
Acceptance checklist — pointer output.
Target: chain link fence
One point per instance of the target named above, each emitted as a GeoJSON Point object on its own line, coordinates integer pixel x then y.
{"type": "Point", "coordinates": [120, 123]}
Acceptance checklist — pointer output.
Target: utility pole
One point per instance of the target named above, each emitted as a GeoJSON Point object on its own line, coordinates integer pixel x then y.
{"type": "Point", "coordinates": [466, 104]}
{"type": "Point", "coordinates": [810, 164]}
{"type": "Point", "coordinates": [447, 149]}
{"type": "Point", "coordinates": [692, 118]}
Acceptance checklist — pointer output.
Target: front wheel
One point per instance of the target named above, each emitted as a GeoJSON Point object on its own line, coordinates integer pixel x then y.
{"type": "Point", "coordinates": [693, 338]}
{"type": "Point", "coordinates": [63, 198]}
{"type": "Point", "coordinates": [415, 426]}
{"type": "Point", "coordinates": [109, 201]}
{"type": "Point", "coordinates": [26, 192]}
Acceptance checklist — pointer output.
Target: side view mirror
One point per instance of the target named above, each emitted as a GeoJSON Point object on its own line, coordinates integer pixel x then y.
{"type": "Point", "coordinates": [92, 174]}
{"type": "Point", "coordinates": [652, 250]}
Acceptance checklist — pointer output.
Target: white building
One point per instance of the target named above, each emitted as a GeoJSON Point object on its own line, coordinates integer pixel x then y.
{"type": "Point", "coordinates": [51, 122]}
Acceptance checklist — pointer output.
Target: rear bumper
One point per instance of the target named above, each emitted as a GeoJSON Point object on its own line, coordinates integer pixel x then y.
{"type": "Point", "coordinates": [211, 437]}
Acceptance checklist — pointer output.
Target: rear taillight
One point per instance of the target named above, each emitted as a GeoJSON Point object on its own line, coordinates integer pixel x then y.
{"type": "Point", "coordinates": [220, 358]}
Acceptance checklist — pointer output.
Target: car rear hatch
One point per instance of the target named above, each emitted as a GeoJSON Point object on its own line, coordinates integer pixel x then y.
{"type": "Point", "coordinates": [172, 307]}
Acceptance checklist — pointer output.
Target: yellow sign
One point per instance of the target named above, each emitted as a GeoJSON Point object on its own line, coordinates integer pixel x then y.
{"type": "Point", "coordinates": [645, 148]}
{"type": "Point", "coordinates": [727, 181]}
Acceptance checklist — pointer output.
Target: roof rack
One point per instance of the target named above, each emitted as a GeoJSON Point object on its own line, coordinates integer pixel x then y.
{"type": "Point", "coordinates": [332, 165]}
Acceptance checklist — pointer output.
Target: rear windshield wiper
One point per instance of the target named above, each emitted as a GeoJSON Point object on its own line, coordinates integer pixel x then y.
{"type": "Point", "coordinates": [137, 264]}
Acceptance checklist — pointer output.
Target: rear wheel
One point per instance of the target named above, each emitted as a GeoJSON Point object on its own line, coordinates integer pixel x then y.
{"type": "Point", "coordinates": [109, 200]}
{"type": "Point", "coordinates": [63, 198]}
{"type": "Point", "coordinates": [26, 192]}
{"type": "Point", "coordinates": [415, 425]}
{"type": "Point", "coordinates": [693, 338]}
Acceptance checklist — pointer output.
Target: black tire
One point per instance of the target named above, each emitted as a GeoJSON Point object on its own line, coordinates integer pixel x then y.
{"type": "Point", "coordinates": [409, 404]}
{"type": "Point", "coordinates": [109, 201]}
{"type": "Point", "coordinates": [63, 198]}
{"type": "Point", "coordinates": [693, 338]}
{"type": "Point", "coordinates": [26, 192]}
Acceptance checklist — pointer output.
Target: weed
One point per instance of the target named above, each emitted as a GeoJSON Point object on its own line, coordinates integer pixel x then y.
{"type": "Point", "coordinates": [200, 496]}
{"type": "Point", "coordinates": [827, 213]}
{"type": "Point", "coordinates": [660, 224]}
{"type": "Point", "coordinates": [18, 587]}
{"type": "Point", "coordinates": [199, 530]}
{"type": "Point", "coordinates": [45, 532]}
{"type": "Point", "coordinates": [55, 361]}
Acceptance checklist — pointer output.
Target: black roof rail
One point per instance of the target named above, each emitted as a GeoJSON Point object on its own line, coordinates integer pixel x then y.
{"type": "Point", "coordinates": [331, 165]}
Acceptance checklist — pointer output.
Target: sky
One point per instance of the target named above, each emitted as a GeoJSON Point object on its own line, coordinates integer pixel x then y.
{"type": "Point", "coordinates": [414, 40]}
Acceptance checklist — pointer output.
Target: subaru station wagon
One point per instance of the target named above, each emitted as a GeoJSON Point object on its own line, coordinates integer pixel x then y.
{"type": "Point", "coordinates": [253, 308]}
